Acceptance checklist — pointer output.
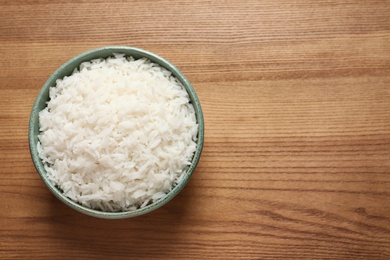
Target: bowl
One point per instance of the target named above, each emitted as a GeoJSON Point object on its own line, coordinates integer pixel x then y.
{"type": "Point", "coordinates": [66, 70]}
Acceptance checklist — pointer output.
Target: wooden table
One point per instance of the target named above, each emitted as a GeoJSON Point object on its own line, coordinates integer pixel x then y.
{"type": "Point", "coordinates": [296, 100]}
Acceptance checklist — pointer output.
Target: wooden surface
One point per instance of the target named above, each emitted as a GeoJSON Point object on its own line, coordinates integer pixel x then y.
{"type": "Point", "coordinates": [296, 100]}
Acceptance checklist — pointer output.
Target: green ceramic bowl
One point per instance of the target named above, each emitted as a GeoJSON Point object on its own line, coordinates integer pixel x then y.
{"type": "Point", "coordinates": [66, 70]}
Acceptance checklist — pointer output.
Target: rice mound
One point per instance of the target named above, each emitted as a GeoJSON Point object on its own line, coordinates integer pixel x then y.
{"type": "Point", "coordinates": [118, 134]}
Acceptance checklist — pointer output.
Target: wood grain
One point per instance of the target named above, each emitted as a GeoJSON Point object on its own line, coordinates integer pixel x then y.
{"type": "Point", "coordinates": [296, 99]}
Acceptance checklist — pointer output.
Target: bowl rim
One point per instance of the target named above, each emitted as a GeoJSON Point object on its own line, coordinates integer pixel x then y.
{"type": "Point", "coordinates": [86, 56]}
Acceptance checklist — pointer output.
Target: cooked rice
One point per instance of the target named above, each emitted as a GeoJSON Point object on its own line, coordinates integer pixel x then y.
{"type": "Point", "coordinates": [118, 134]}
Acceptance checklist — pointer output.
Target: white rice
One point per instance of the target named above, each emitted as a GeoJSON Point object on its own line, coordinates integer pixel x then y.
{"type": "Point", "coordinates": [118, 134]}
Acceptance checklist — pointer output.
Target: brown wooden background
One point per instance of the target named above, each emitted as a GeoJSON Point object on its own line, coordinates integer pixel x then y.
{"type": "Point", "coordinates": [296, 98]}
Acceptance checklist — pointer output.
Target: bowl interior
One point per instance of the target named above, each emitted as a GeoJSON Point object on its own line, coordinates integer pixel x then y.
{"type": "Point", "coordinates": [66, 70]}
